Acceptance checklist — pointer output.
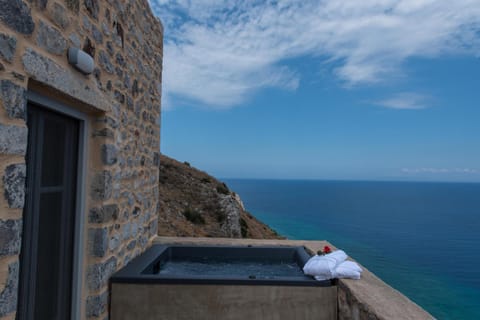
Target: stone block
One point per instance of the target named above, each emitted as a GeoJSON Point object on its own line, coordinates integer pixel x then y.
{"type": "Point", "coordinates": [13, 139]}
{"type": "Point", "coordinates": [126, 231]}
{"type": "Point", "coordinates": [143, 242]}
{"type": "Point", "coordinates": [8, 296]}
{"type": "Point", "coordinates": [109, 154]}
{"type": "Point", "coordinates": [75, 40]}
{"type": "Point", "coordinates": [59, 16]}
{"type": "Point", "coordinates": [103, 214]}
{"type": "Point", "coordinates": [97, 35]}
{"type": "Point", "coordinates": [119, 96]}
{"type": "Point", "coordinates": [14, 185]}
{"type": "Point", "coordinates": [51, 39]}
{"type": "Point", "coordinates": [133, 229]}
{"type": "Point", "coordinates": [120, 60]}
{"type": "Point", "coordinates": [114, 242]}
{"type": "Point", "coordinates": [10, 237]}
{"type": "Point", "coordinates": [98, 274]}
{"type": "Point", "coordinates": [96, 305]}
{"type": "Point", "coordinates": [73, 5]}
{"type": "Point", "coordinates": [101, 187]}
{"type": "Point", "coordinates": [14, 99]}
{"type": "Point", "coordinates": [105, 132]}
{"type": "Point", "coordinates": [131, 245]}
{"type": "Point", "coordinates": [112, 123]}
{"type": "Point", "coordinates": [105, 63]}
{"type": "Point", "coordinates": [17, 16]}
{"type": "Point", "coordinates": [97, 241]}
{"type": "Point", "coordinates": [119, 72]}
{"type": "Point", "coordinates": [87, 25]}
{"type": "Point", "coordinates": [129, 103]}
{"type": "Point", "coordinates": [47, 71]}
{"type": "Point", "coordinates": [92, 8]}
{"type": "Point", "coordinates": [41, 4]}
{"type": "Point", "coordinates": [8, 45]}
{"type": "Point", "coordinates": [127, 259]}
{"type": "Point", "coordinates": [110, 48]}
{"type": "Point", "coordinates": [105, 28]}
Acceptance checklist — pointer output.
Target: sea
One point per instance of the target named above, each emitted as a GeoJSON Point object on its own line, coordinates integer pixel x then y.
{"type": "Point", "coordinates": [422, 238]}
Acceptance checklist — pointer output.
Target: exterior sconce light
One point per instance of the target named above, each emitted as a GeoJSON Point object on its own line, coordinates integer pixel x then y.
{"type": "Point", "coordinates": [81, 60]}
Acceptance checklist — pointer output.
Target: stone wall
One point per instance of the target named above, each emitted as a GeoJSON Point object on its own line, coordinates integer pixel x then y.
{"type": "Point", "coordinates": [122, 101]}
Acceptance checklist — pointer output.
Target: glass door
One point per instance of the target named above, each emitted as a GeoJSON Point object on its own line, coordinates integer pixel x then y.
{"type": "Point", "coordinates": [49, 216]}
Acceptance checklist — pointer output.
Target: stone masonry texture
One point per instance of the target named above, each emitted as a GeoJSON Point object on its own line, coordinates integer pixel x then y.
{"type": "Point", "coordinates": [121, 103]}
{"type": "Point", "coordinates": [51, 39]}
{"type": "Point", "coordinates": [96, 305]}
{"type": "Point", "coordinates": [7, 47]}
{"type": "Point", "coordinates": [16, 15]}
{"type": "Point", "coordinates": [10, 237]}
{"type": "Point", "coordinates": [97, 241]}
{"type": "Point", "coordinates": [13, 140]}
{"type": "Point", "coordinates": [13, 98]}
{"type": "Point", "coordinates": [14, 185]}
{"type": "Point", "coordinates": [8, 296]}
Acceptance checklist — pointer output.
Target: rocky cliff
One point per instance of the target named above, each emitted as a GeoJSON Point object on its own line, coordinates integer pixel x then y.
{"type": "Point", "coordinates": [195, 204]}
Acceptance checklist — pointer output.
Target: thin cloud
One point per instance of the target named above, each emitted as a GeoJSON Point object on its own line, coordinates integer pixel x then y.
{"type": "Point", "coordinates": [440, 171]}
{"type": "Point", "coordinates": [405, 101]}
{"type": "Point", "coordinates": [220, 52]}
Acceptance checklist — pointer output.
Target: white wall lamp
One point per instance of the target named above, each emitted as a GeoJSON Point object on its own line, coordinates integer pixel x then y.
{"type": "Point", "coordinates": [81, 60]}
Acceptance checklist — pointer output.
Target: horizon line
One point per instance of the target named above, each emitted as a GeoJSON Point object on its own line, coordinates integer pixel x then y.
{"type": "Point", "coordinates": [350, 180]}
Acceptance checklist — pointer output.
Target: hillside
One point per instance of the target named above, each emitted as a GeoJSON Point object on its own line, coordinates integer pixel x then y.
{"type": "Point", "coordinates": [195, 204]}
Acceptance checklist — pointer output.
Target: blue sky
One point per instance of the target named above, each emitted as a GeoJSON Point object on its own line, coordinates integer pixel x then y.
{"type": "Point", "coordinates": [369, 90]}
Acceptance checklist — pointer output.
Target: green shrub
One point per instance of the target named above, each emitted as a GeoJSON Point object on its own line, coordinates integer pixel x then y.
{"type": "Point", "coordinates": [223, 189]}
{"type": "Point", "coordinates": [187, 163]}
{"type": "Point", "coordinates": [220, 216]}
{"type": "Point", "coordinates": [243, 228]}
{"type": "Point", "coordinates": [206, 180]}
{"type": "Point", "coordinates": [193, 216]}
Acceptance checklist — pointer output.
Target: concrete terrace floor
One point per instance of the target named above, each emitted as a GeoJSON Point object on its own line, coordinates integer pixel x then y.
{"type": "Point", "coordinates": [367, 298]}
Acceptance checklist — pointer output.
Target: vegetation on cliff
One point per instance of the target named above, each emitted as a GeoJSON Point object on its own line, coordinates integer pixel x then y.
{"type": "Point", "coordinates": [195, 204]}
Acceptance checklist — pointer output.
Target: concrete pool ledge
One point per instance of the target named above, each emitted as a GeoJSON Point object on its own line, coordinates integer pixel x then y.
{"type": "Point", "coordinates": [367, 298]}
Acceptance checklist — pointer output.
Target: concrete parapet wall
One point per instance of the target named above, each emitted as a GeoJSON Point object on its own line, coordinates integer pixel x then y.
{"type": "Point", "coordinates": [371, 298]}
{"type": "Point", "coordinates": [226, 302]}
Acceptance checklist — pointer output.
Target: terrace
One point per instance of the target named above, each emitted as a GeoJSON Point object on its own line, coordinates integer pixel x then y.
{"type": "Point", "coordinates": [368, 298]}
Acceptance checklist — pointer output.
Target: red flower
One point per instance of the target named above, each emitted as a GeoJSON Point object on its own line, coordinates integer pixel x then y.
{"type": "Point", "coordinates": [327, 249]}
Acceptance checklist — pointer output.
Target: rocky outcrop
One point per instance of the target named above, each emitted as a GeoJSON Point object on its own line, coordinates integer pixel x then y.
{"type": "Point", "coordinates": [195, 204]}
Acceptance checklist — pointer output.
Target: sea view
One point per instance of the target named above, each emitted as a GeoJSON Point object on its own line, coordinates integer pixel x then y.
{"type": "Point", "coordinates": [421, 238]}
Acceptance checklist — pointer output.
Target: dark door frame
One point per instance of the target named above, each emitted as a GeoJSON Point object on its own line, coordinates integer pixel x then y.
{"type": "Point", "coordinates": [79, 221]}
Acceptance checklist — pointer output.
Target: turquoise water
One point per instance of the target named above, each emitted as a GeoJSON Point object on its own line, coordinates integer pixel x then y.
{"type": "Point", "coordinates": [421, 238]}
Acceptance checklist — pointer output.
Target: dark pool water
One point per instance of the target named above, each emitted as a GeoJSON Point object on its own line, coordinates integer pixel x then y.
{"type": "Point", "coordinates": [229, 268]}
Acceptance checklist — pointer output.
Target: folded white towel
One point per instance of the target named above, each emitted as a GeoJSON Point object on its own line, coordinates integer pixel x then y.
{"type": "Point", "coordinates": [348, 270]}
{"type": "Point", "coordinates": [351, 265]}
{"type": "Point", "coordinates": [324, 266]}
{"type": "Point", "coordinates": [332, 265]}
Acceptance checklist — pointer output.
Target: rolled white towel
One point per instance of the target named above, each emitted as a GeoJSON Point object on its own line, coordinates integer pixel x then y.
{"type": "Point", "coordinates": [348, 270]}
{"type": "Point", "coordinates": [351, 265]}
{"type": "Point", "coordinates": [324, 266]}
